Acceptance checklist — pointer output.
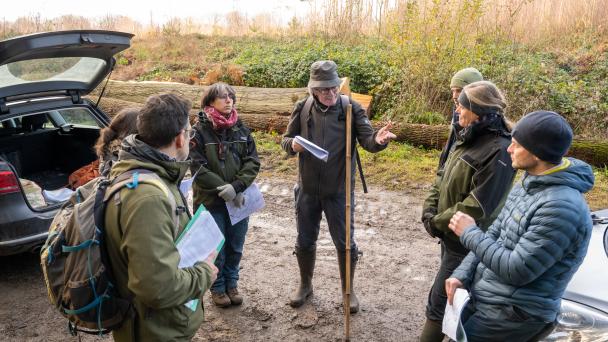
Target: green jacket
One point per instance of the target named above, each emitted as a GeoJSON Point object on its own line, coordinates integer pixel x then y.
{"type": "Point", "coordinates": [475, 179]}
{"type": "Point", "coordinates": [219, 158]}
{"type": "Point", "coordinates": [140, 233]}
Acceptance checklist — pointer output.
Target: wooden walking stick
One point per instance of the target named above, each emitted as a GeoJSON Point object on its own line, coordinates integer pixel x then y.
{"type": "Point", "coordinates": [346, 299]}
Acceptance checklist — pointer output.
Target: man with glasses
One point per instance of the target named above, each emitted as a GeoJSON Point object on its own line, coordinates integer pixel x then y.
{"type": "Point", "coordinates": [142, 222]}
{"type": "Point", "coordinates": [321, 185]}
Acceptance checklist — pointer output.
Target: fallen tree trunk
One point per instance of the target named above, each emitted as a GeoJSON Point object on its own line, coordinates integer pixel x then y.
{"type": "Point", "coordinates": [250, 100]}
{"type": "Point", "coordinates": [429, 136]}
{"type": "Point", "coordinates": [276, 101]}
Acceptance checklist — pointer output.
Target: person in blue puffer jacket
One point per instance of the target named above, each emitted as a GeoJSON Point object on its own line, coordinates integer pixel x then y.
{"type": "Point", "coordinates": [518, 270]}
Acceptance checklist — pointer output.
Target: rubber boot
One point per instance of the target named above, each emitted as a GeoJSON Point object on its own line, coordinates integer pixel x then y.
{"type": "Point", "coordinates": [354, 302]}
{"type": "Point", "coordinates": [306, 263]}
{"type": "Point", "coordinates": [431, 332]}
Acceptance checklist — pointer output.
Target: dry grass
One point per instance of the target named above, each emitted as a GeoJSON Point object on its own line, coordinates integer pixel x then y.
{"type": "Point", "coordinates": [530, 21]}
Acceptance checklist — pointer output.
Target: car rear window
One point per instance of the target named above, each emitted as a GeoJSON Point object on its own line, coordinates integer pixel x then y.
{"type": "Point", "coordinates": [79, 117]}
{"type": "Point", "coordinates": [80, 69]}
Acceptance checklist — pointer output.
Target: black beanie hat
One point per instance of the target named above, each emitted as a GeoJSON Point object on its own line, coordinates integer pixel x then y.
{"type": "Point", "coordinates": [545, 134]}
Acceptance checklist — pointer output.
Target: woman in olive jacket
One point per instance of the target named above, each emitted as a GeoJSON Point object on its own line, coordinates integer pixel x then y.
{"type": "Point", "coordinates": [475, 179]}
{"type": "Point", "coordinates": [224, 163]}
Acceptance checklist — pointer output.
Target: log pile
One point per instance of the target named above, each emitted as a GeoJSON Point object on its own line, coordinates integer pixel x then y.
{"type": "Point", "coordinates": [268, 109]}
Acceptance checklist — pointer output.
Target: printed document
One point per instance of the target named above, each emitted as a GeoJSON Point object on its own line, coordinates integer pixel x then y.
{"type": "Point", "coordinates": [254, 201]}
{"type": "Point", "coordinates": [452, 326]}
{"type": "Point", "coordinates": [315, 150]}
{"type": "Point", "coordinates": [201, 237]}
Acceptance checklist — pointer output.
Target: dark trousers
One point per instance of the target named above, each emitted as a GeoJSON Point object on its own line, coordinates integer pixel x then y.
{"type": "Point", "coordinates": [308, 218]}
{"type": "Point", "coordinates": [450, 260]}
{"type": "Point", "coordinates": [487, 323]}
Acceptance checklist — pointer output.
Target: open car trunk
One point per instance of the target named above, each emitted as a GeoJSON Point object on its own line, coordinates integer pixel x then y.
{"type": "Point", "coordinates": [44, 154]}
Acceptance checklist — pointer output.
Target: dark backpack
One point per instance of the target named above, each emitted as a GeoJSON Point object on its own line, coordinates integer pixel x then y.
{"type": "Point", "coordinates": [304, 122]}
{"type": "Point", "coordinates": [74, 261]}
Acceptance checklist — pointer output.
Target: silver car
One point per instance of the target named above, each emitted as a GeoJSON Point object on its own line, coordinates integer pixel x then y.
{"type": "Point", "coordinates": [584, 311]}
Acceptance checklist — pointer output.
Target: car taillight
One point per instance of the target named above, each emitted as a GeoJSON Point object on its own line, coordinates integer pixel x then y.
{"type": "Point", "coordinates": [8, 183]}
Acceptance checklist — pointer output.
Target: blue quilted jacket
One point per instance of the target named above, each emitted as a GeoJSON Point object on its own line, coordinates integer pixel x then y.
{"type": "Point", "coordinates": [534, 247]}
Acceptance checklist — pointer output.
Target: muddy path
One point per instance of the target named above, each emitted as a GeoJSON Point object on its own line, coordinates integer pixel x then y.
{"type": "Point", "coordinates": [392, 279]}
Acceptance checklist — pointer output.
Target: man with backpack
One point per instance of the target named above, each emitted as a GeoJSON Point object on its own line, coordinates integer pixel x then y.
{"type": "Point", "coordinates": [143, 221]}
{"type": "Point", "coordinates": [321, 119]}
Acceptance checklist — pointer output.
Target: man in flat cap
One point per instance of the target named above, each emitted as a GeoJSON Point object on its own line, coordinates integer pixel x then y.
{"type": "Point", "coordinates": [321, 119]}
{"type": "Point", "coordinates": [518, 269]}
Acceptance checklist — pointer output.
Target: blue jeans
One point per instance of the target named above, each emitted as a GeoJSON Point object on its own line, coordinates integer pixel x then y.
{"type": "Point", "coordinates": [229, 257]}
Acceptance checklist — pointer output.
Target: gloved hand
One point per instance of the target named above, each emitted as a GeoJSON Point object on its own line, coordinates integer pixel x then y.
{"type": "Point", "coordinates": [226, 192]}
{"type": "Point", "coordinates": [239, 200]}
{"type": "Point", "coordinates": [427, 221]}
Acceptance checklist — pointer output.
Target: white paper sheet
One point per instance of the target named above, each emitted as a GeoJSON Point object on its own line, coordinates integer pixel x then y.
{"type": "Point", "coordinates": [254, 201]}
{"type": "Point", "coordinates": [315, 150]}
{"type": "Point", "coordinates": [201, 237]}
{"type": "Point", "coordinates": [451, 317]}
{"type": "Point", "coordinates": [58, 195]}
{"type": "Point", "coordinates": [185, 186]}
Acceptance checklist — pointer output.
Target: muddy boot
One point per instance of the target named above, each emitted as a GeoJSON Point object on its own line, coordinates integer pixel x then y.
{"type": "Point", "coordinates": [306, 263]}
{"type": "Point", "coordinates": [235, 297]}
{"type": "Point", "coordinates": [431, 332]}
{"type": "Point", "coordinates": [220, 300]}
{"type": "Point", "coordinates": [354, 302]}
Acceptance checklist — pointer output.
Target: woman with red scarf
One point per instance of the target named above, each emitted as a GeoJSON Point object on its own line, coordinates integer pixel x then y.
{"type": "Point", "coordinates": [224, 163]}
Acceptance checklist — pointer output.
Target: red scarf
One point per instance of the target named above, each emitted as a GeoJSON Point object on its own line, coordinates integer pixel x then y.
{"type": "Point", "coordinates": [219, 120]}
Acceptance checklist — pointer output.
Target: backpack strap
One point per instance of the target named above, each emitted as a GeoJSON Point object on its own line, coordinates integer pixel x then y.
{"type": "Point", "coordinates": [305, 120]}
{"type": "Point", "coordinates": [345, 102]}
{"type": "Point", "coordinates": [305, 117]}
{"type": "Point", "coordinates": [131, 179]}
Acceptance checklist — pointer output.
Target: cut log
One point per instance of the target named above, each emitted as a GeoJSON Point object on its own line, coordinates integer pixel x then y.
{"type": "Point", "coordinates": [273, 101]}
{"type": "Point", "coordinates": [593, 152]}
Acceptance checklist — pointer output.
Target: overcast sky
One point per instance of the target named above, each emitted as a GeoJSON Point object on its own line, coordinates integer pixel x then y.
{"type": "Point", "coordinates": [159, 10]}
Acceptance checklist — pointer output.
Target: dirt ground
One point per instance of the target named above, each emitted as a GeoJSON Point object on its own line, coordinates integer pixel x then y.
{"type": "Point", "coordinates": [392, 280]}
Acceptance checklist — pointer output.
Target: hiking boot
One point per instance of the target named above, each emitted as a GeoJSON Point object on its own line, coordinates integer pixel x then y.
{"type": "Point", "coordinates": [354, 301]}
{"type": "Point", "coordinates": [235, 297]}
{"type": "Point", "coordinates": [306, 263]}
{"type": "Point", "coordinates": [220, 300]}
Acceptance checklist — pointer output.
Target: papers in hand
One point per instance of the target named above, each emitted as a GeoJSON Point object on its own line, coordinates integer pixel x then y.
{"type": "Point", "coordinates": [254, 201]}
{"type": "Point", "coordinates": [201, 237]}
{"type": "Point", "coordinates": [452, 325]}
{"type": "Point", "coordinates": [315, 150]}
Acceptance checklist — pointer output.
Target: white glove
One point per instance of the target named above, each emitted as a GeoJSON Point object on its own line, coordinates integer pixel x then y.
{"type": "Point", "coordinates": [239, 200]}
{"type": "Point", "coordinates": [227, 192]}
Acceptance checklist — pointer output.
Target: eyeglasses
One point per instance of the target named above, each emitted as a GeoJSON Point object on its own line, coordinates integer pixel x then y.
{"type": "Point", "coordinates": [332, 90]}
{"type": "Point", "coordinates": [190, 133]}
{"type": "Point", "coordinates": [226, 97]}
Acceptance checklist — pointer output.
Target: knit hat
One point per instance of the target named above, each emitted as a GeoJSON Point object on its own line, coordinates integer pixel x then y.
{"type": "Point", "coordinates": [545, 134]}
{"type": "Point", "coordinates": [324, 74]}
{"type": "Point", "coordinates": [464, 77]}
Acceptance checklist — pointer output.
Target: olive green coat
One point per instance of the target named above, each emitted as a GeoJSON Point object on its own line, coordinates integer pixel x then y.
{"type": "Point", "coordinates": [140, 234]}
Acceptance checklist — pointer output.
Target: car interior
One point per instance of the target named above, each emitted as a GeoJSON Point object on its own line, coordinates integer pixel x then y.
{"type": "Point", "coordinates": [44, 149]}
